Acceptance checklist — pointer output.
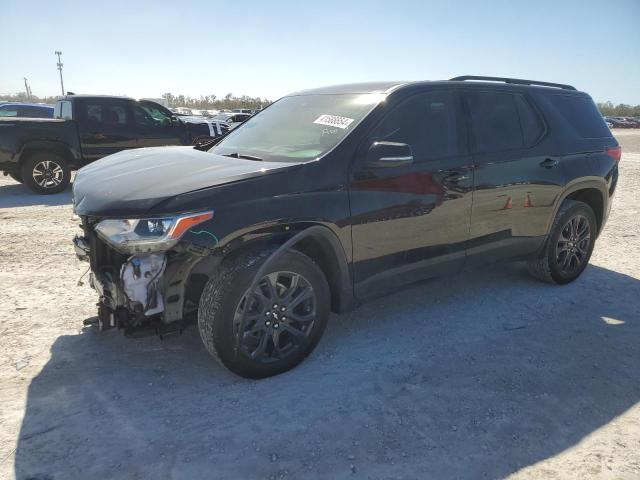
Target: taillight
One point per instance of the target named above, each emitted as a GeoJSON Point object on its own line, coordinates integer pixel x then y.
{"type": "Point", "coordinates": [614, 152]}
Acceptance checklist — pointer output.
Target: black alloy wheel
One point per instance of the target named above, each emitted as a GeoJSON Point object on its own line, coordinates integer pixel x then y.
{"type": "Point", "coordinates": [572, 246]}
{"type": "Point", "coordinates": [568, 247]}
{"type": "Point", "coordinates": [279, 316]}
{"type": "Point", "coordinates": [271, 329]}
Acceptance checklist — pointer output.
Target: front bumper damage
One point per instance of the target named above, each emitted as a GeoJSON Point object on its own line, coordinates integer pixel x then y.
{"type": "Point", "coordinates": [141, 294]}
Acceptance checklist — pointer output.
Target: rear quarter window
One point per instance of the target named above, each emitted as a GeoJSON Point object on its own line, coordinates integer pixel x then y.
{"type": "Point", "coordinates": [581, 114]}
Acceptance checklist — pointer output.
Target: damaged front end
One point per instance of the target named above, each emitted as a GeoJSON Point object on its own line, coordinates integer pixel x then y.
{"type": "Point", "coordinates": [141, 269]}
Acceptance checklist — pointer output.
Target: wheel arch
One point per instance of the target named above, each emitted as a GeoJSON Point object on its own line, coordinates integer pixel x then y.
{"type": "Point", "coordinates": [592, 197]}
{"type": "Point", "coordinates": [38, 146]}
{"type": "Point", "coordinates": [592, 192]}
{"type": "Point", "coordinates": [315, 240]}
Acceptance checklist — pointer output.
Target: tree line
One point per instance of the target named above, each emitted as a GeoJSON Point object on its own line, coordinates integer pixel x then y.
{"type": "Point", "coordinates": [204, 102]}
{"type": "Point", "coordinates": [207, 102]}
{"type": "Point", "coordinates": [230, 101]}
{"type": "Point", "coordinates": [608, 109]}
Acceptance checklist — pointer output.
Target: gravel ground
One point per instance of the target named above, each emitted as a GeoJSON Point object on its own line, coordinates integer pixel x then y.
{"type": "Point", "coordinates": [488, 374]}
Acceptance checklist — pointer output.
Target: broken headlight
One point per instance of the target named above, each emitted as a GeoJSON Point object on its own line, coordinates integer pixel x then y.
{"type": "Point", "coordinates": [144, 235]}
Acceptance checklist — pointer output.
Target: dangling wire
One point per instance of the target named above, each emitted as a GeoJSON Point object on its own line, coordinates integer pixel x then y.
{"type": "Point", "coordinates": [80, 282]}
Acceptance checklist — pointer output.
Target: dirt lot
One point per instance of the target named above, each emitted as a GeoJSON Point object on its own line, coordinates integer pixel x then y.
{"type": "Point", "coordinates": [488, 374]}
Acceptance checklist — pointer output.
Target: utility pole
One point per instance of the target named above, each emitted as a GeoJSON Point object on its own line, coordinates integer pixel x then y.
{"type": "Point", "coordinates": [27, 88]}
{"type": "Point", "coordinates": [59, 53]}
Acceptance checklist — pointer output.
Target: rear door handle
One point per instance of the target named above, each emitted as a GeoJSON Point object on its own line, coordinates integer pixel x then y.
{"type": "Point", "coordinates": [549, 163]}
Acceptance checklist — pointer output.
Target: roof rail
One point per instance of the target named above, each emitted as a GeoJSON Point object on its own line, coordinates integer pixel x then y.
{"type": "Point", "coordinates": [516, 81]}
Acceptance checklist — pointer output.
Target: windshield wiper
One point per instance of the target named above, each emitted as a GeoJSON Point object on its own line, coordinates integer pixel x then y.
{"type": "Point", "coordinates": [242, 155]}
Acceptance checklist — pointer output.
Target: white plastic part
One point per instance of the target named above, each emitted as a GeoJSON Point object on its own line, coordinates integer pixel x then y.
{"type": "Point", "coordinates": [140, 275]}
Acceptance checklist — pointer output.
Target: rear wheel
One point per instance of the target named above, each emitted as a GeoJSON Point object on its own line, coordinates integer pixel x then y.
{"type": "Point", "coordinates": [46, 173]}
{"type": "Point", "coordinates": [569, 246]}
{"type": "Point", "coordinates": [284, 316]}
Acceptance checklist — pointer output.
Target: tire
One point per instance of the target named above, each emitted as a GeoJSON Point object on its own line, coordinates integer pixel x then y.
{"type": "Point", "coordinates": [226, 295]}
{"type": "Point", "coordinates": [561, 261]}
{"type": "Point", "coordinates": [46, 173]}
{"type": "Point", "coordinates": [16, 176]}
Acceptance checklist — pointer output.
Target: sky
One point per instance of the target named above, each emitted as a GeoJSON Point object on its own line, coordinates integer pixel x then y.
{"type": "Point", "coordinates": [270, 48]}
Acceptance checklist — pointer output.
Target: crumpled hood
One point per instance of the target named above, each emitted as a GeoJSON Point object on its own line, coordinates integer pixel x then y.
{"type": "Point", "coordinates": [132, 181]}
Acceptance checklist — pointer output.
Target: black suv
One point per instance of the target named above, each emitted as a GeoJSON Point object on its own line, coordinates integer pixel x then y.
{"type": "Point", "coordinates": [333, 195]}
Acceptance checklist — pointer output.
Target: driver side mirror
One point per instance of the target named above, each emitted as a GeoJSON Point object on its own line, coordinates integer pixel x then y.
{"type": "Point", "coordinates": [175, 120]}
{"type": "Point", "coordinates": [389, 154]}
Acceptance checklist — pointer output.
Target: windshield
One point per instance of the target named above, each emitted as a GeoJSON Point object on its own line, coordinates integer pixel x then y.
{"type": "Point", "coordinates": [296, 128]}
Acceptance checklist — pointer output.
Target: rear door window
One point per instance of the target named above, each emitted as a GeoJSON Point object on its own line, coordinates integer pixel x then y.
{"type": "Point", "coordinates": [496, 122]}
{"type": "Point", "coordinates": [581, 114]}
{"type": "Point", "coordinates": [107, 115]}
{"type": "Point", "coordinates": [532, 126]}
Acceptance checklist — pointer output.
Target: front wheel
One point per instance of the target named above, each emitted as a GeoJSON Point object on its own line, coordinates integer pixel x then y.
{"type": "Point", "coordinates": [284, 316]}
{"type": "Point", "coordinates": [569, 246]}
{"type": "Point", "coordinates": [45, 173]}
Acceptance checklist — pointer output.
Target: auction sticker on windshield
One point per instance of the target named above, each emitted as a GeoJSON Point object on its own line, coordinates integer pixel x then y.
{"type": "Point", "coordinates": [334, 121]}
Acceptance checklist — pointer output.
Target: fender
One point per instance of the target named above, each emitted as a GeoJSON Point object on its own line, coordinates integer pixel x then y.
{"type": "Point", "coordinates": [318, 241]}
{"type": "Point", "coordinates": [315, 240]}
{"type": "Point", "coordinates": [580, 184]}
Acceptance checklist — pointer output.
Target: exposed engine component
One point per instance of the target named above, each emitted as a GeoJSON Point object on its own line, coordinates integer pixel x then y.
{"type": "Point", "coordinates": [140, 275]}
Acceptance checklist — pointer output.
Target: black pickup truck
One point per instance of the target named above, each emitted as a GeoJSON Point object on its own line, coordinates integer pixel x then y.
{"type": "Point", "coordinates": [42, 152]}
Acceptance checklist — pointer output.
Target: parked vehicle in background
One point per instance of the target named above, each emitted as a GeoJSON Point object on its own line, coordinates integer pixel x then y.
{"type": "Point", "coordinates": [42, 152]}
{"type": "Point", "coordinates": [181, 111]}
{"type": "Point", "coordinates": [618, 122]}
{"type": "Point", "coordinates": [216, 128]}
{"type": "Point", "coordinates": [26, 110]}
{"type": "Point", "coordinates": [633, 122]}
{"type": "Point", "coordinates": [242, 110]}
{"type": "Point", "coordinates": [335, 195]}
{"type": "Point", "coordinates": [232, 119]}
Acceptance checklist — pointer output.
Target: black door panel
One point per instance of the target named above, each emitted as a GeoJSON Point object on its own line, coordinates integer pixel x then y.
{"type": "Point", "coordinates": [411, 220]}
{"type": "Point", "coordinates": [104, 127]}
{"type": "Point", "coordinates": [516, 182]}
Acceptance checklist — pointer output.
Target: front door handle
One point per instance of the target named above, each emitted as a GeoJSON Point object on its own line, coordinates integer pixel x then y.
{"type": "Point", "coordinates": [549, 163]}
